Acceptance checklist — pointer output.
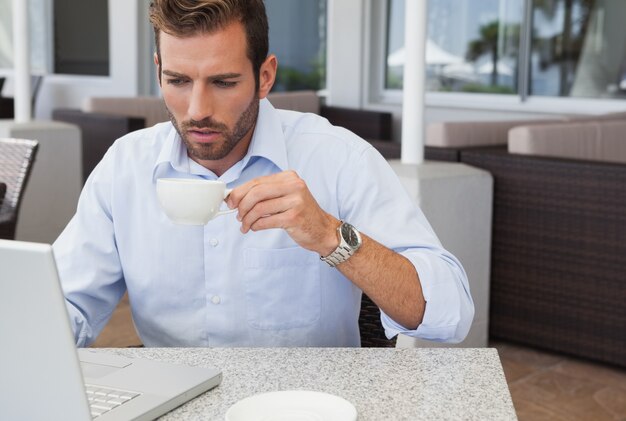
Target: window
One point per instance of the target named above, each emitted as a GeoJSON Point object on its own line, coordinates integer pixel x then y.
{"type": "Point", "coordinates": [72, 28]}
{"type": "Point", "coordinates": [298, 38]}
{"type": "Point", "coordinates": [38, 35]}
{"type": "Point", "coordinates": [576, 47]}
{"type": "Point", "coordinates": [472, 46]}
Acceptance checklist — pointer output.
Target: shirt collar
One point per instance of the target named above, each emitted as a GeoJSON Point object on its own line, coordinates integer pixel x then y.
{"type": "Point", "coordinates": [268, 142]}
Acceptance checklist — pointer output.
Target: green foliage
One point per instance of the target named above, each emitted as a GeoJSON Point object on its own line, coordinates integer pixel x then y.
{"type": "Point", "coordinates": [394, 80]}
{"type": "Point", "coordinates": [487, 89]}
{"type": "Point", "coordinates": [291, 79]}
{"type": "Point", "coordinates": [486, 43]}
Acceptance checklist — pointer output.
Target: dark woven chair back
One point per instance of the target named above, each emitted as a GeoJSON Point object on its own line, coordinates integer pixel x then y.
{"type": "Point", "coordinates": [16, 161]}
{"type": "Point", "coordinates": [3, 190]}
{"type": "Point", "coordinates": [372, 332]}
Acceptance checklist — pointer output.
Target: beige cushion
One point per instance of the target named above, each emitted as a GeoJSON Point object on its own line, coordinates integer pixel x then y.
{"type": "Point", "coordinates": [458, 134]}
{"type": "Point", "coordinates": [303, 101]}
{"type": "Point", "coordinates": [151, 108]}
{"type": "Point", "coordinates": [601, 117]}
{"type": "Point", "coordinates": [595, 140]}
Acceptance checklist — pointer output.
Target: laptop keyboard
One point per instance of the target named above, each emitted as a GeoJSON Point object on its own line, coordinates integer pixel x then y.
{"type": "Point", "coordinates": [102, 399]}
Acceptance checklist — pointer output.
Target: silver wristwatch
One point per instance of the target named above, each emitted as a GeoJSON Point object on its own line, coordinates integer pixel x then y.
{"type": "Point", "coordinates": [349, 243]}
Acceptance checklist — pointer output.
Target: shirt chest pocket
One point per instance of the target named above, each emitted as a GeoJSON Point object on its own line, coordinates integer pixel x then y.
{"type": "Point", "coordinates": [282, 288]}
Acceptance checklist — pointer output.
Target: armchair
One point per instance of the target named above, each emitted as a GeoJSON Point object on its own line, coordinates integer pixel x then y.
{"type": "Point", "coordinates": [3, 190]}
{"type": "Point", "coordinates": [16, 160]}
{"type": "Point", "coordinates": [558, 253]}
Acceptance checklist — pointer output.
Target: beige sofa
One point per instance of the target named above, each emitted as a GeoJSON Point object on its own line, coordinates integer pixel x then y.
{"type": "Point", "coordinates": [600, 140]}
{"type": "Point", "coordinates": [575, 137]}
{"type": "Point", "coordinates": [558, 254]}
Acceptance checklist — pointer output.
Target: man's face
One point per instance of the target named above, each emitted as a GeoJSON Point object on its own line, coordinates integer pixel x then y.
{"type": "Point", "coordinates": [209, 88]}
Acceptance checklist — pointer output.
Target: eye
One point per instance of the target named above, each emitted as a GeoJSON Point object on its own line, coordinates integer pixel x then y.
{"type": "Point", "coordinates": [176, 81]}
{"type": "Point", "coordinates": [224, 83]}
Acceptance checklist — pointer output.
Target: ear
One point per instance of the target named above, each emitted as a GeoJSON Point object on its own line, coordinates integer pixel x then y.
{"type": "Point", "coordinates": [267, 75]}
{"type": "Point", "coordinates": [158, 67]}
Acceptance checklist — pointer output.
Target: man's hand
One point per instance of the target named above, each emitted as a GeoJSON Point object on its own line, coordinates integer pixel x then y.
{"type": "Point", "coordinates": [283, 200]}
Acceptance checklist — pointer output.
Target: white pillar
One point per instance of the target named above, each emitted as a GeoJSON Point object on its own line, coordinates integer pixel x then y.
{"type": "Point", "coordinates": [21, 66]}
{"type": "Point", "coordinates": [344, 55]}
{"type": "Point", "coordinates": [415, 33]}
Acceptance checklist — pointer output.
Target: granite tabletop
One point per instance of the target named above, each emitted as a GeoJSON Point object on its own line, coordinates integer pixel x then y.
{"type": "Point", "coordinates": [382, 383]}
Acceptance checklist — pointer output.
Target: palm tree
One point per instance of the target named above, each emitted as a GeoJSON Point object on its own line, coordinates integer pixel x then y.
{"type": "Point", "coordinates": [570, 45]}
{"type": "Point", "coordinates": [488, 42]}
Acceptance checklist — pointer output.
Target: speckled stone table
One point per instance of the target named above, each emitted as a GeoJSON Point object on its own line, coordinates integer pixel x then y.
{"type": "Point", "coordinates": [382, 383]}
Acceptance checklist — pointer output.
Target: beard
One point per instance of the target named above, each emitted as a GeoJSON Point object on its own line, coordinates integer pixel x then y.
{"type": "Point", "coordinates": [230, 136]}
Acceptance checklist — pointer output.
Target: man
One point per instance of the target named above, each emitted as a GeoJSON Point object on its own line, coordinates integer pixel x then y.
{"type": "Point", "coordinates": [301, 186]}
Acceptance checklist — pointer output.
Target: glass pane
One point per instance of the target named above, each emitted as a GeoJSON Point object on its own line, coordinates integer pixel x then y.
{"type": "Point", "coordinates": [298, 38]}
{"type": "Point", "coordinates": [6, 34]}
{"type": "Point", "coordinates": [395, 45]}
{"type": "Point", "coordinates": [81, 46]}
{"type": "Point", "coordinates": [472, 45]}
{"type": "Point", "coordinates": [38, 35]}
{"type": "Point", "coordinates": [579, 48]}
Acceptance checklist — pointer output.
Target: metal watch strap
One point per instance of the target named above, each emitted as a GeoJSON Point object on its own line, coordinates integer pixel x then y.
{"type": "Point", "coordinates": [341, 253]}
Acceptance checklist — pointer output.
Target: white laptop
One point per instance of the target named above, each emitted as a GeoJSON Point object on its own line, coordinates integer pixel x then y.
{"type": "Point", "coordinates": [42, 376]}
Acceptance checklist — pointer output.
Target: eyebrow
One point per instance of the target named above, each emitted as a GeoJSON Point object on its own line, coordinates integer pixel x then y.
{"type": "Point", "coordinates": [213, 77]}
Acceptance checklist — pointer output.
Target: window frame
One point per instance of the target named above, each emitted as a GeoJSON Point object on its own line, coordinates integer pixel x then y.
{"type": "Point", "coordinates": [376, 93]}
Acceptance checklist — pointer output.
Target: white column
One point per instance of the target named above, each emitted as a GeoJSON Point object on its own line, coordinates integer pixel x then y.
{"type": "Point", "coordinates": [21, 65]}
{"type": "Point", "coordinates": [415, 34]}
{"type": "Point", "coordinates": [344, 56]}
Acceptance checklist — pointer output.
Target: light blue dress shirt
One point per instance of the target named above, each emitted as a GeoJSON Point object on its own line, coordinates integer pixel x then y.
{"type": "Point", "coordinates": [214, 286]}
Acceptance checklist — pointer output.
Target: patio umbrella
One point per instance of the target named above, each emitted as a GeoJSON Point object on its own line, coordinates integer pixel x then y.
{"type": "Point", "coordinates": [502, 68]}
{"type": "Point", "coordinates": [435, 55]}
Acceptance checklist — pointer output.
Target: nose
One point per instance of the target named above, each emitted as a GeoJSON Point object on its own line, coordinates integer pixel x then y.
{"type": "Point", "coordinates": [200, 103]}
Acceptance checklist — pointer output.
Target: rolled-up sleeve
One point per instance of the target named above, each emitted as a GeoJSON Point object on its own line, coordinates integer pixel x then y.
{"type": "Point", "coordinates": [382, 208]}
{"type": "Point", "coordinates": [449, 307]}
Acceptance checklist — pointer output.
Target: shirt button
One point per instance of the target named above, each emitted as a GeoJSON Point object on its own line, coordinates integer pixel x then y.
{"type": "Point", "coordinates": [214, 242]}
{"type": "Point", "coordinates": [215, 299]}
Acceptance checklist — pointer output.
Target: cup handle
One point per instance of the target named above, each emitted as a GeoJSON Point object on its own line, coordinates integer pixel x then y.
{"type": "Point", "coordinates": [226, 193]}
{"type": "Point", "coordinates": [225, 212]}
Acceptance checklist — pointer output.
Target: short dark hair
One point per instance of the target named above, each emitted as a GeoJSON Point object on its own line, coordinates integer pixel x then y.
{"type": "Point", "coordinates": [189, 17]}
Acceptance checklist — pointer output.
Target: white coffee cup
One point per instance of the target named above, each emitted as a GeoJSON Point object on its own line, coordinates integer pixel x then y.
{"type": "Point", "coordinates": [191, 201]}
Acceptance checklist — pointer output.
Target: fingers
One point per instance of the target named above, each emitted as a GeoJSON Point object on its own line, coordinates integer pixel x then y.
{"type": "Point", "coordinates": [266, 196]}
{"type": "Point", "coordinates": [265, 211]}
{"type": "Point", "coordinates": [277, 220]}
{"type": "Point", "coordinates": [251, 210]}
{"type": "Point", "coordinates": [235, 197]}
{"type": "Point", "coordinates": [284, 201]}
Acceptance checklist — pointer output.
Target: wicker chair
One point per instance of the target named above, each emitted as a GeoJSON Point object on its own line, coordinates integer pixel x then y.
{"type": "Point", "coordinates": [372, 332]}
{"type": "Point", "coordinates": [16, 160]}
{"type": "Point", "coordinates": [3, 190]}
{"type": "Point", "coordinates": [558, 253]}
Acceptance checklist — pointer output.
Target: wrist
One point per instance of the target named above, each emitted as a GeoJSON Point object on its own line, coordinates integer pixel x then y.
{"type": "Point", "coordinates": [330, 241]}
{"type": "Point", "coordinates": [349, 242]}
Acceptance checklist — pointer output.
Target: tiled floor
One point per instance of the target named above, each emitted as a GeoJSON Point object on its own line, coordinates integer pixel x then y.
{"type": "Point", "coordinates": [544, 386]}
{"type": "Point", "coordinates": [549, 386]}
{"type": "Point", "coordinates": [120, 331]}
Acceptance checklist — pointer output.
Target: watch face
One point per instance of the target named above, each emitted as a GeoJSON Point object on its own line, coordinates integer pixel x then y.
{"type": "Point", "coordinates": [350, 235]}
